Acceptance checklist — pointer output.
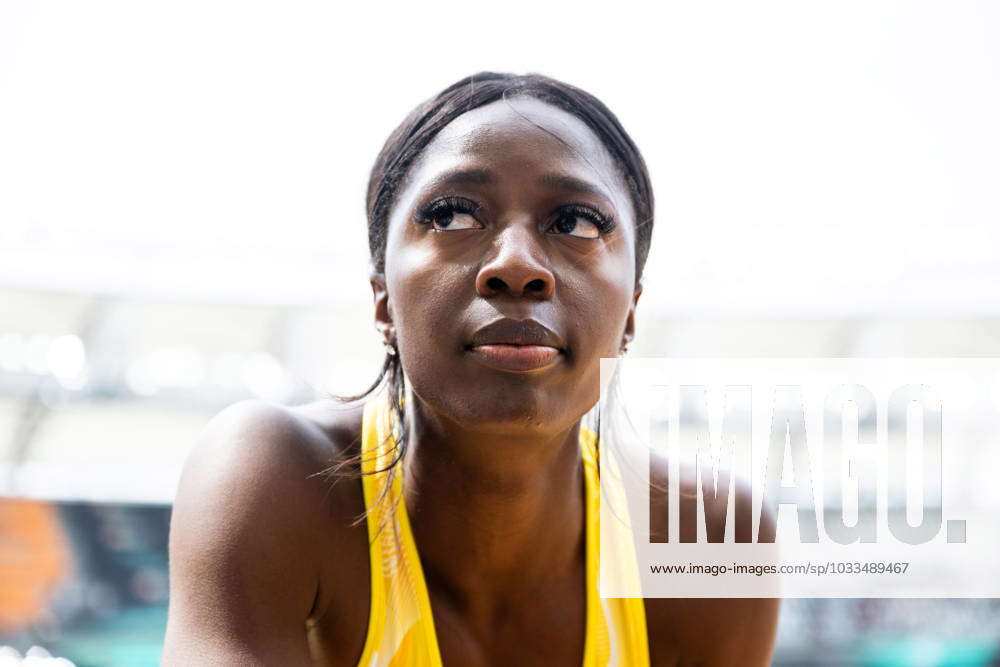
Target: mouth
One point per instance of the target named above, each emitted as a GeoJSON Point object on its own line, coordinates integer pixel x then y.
{"type": "Point", "coordinates": [516, 357]}
{"type": "Point", "coordinates": [516, 345]}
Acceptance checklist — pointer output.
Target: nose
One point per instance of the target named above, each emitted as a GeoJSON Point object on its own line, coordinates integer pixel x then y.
{"type": "Point", "coordinates": [516, 269]}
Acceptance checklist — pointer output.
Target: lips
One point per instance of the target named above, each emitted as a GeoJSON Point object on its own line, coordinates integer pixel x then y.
{"type": "Point", "coordinates": [516, 345]}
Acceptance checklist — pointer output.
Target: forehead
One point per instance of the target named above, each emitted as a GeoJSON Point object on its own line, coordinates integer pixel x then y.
{"type": "Point", "coordinates": [521, 135]}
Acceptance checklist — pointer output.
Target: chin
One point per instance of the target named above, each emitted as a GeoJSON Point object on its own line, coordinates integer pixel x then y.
{"type": "Point", "coordinates": [506, 409]}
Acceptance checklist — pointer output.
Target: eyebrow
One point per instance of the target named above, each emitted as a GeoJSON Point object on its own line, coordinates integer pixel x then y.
{"type": "Point", "coordinates": [471, 176]}
{"type": "Point", "coordinates": [573, 184]}
{"type": "Point", "coordinates": [478, 176]}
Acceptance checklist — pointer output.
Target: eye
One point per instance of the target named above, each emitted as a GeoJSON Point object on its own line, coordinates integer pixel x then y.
{"type": "Point", "coordinates": [582, 222]}
{"type": "Point", "coordinates": [450, 213]}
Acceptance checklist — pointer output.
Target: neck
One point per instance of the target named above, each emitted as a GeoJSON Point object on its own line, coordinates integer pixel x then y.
{"type": "Point", "coordinates": [495, 516]}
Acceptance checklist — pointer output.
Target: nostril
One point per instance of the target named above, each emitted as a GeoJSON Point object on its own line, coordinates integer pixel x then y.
{"type": "Point", "coordinates": [496, 284]}
{"type": "Point", "coordinates": [536, 285]}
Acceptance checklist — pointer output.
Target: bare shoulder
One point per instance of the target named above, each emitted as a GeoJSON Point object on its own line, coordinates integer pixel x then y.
{"type": "Point", "coordinates": [257, 532]}
{"type": "Point", "coordinates": [713, 632]}
{"type": "Point", "coordinates": [717, 513]}
{"type": "Point", "coordinates": [257, 455]}
{"type": "Point", "coordinates": [707, 631]}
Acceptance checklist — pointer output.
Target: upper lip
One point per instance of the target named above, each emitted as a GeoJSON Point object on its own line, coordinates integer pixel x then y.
{"type": "Point", "coordinates": [507, 331]}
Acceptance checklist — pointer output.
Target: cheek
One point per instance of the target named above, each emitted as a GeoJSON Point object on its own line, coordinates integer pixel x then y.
{"type": "Point", "coordinates": [424, 294]}
{"type": "Point", "coordinates": [599, 301]}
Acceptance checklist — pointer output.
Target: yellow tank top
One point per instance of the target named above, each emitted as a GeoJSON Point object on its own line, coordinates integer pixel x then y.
{"type": "Point", "coordinates": [400, 625]}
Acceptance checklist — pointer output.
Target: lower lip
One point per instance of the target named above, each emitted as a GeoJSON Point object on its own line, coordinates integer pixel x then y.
{"type": "Point", "coordinates": [516, 357]}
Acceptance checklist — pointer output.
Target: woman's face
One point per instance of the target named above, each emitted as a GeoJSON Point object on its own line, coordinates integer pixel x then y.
{"type": "Point", "coordinates": [509, 269]}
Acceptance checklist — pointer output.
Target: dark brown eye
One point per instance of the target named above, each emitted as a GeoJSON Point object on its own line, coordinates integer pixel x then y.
{"type": "Point", "coordinates": [580, 221]}
{"type": "Point", "coordinates": [576, 225]}
{"type": "Point", "coordinates": [450, 213]}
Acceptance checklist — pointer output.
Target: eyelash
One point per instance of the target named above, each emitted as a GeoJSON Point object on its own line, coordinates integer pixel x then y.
{"type": "Point", "coordinates": [441, 208]}
{"type": "Point", "coordinates": [603, 223]}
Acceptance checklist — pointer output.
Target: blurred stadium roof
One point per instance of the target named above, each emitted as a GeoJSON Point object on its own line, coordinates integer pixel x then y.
{"type": "Point", "coordinates": [841, 181]}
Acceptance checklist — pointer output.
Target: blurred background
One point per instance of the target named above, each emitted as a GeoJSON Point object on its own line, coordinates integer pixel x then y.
{"type": "Point", "coordinates": [182, 226]}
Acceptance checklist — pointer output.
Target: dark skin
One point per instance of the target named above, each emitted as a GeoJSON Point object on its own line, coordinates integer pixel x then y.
{"type": "Point", "coordinates": [266, 567]}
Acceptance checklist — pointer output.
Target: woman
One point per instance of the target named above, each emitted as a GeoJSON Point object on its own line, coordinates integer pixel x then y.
{"type": "Point", "coordinates": [509, 221]}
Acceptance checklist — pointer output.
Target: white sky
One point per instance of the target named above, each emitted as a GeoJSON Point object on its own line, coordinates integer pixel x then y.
{"type": "Point", "coordinates": [809, 158]}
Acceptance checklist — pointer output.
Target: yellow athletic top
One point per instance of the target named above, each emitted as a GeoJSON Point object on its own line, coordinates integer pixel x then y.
{"type": "Point", "coordinates": [400, 624]}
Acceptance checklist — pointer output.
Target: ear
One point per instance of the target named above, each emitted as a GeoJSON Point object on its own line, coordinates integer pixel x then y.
{"type": "Point", "coordinates": [629, 333]}
{"type": "Point", "coordinates": [383, 311]}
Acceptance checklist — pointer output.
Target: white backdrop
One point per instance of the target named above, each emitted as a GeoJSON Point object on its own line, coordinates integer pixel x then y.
{"type": "Point", "coordinates": [822, 159]}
